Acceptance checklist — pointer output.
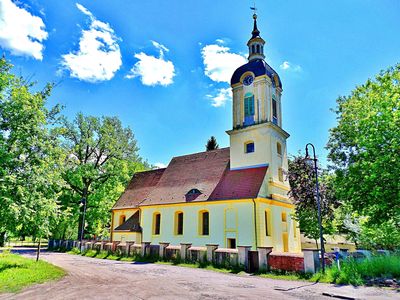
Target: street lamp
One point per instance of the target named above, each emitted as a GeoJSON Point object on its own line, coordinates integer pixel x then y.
{"type": "Point", "coordinates": [318, 202]}
{"type": "Point", "coordinates": [82, 229]}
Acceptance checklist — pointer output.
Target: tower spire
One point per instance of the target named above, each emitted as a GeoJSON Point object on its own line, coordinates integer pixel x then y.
{"type": "Point", "coordinates": [256, 43]}
{"type": "Point", "coordinates": [255, 33]}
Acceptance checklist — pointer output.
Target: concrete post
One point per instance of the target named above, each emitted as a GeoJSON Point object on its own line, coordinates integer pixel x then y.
{"type": "Point", "coordinates": [163, 245]}
{"type": "Point", "coordinates": [128, 248]}
{"type": "Point", "coordinates": [243, 258]}
{"type": "Point", "coordinates": [311, 260]}
{"type": "Point", "coordinates": [145, 249]}
{"type": "Point", "coordinates": [263, 253]}
{"type": "Point", "coordinates": [210, 252]}
{"type": "Point", "coordinates": [184, 250]}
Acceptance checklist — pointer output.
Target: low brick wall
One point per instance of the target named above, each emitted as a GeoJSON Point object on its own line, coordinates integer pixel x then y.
{"type": "Point", "coordinates": [293, 263]}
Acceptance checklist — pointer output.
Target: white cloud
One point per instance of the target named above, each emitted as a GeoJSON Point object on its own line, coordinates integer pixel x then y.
{"type": "Point", "coordinates": [289, 66]}
{"type": "Point", "coordinates": [99, 56]}
{"type": "Point", "coordinates": [160, 165]}
{"type": "Point", "coordinates": [219, 63]}
{"type": "Point", "coordinates": [21, 32]}
{"type": "Point", "coordinates": [153, 70]}
{"type": "Point", "coordinates": [223, 95]}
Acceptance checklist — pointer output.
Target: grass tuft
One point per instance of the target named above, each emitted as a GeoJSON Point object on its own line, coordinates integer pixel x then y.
{"type": "Point", "coordinates": [17, 272]}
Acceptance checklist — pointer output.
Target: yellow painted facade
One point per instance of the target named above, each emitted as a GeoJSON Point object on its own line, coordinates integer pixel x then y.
{"type": "Point", "coordinates": [242, 219]}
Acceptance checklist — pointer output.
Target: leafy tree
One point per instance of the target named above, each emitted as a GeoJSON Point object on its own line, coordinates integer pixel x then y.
{"type": "Point", "coordinates": [302, 190]}
{"type": "Point", "coordinates": [29, 164]}
{"type": "Point", "coordinates": [364, 148]}
{"type": "Point", "coordinates": [212, 144]}
{"type": "Point", "coordinates": [101, 157]}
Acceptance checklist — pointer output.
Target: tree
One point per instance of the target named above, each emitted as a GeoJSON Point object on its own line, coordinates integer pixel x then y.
{"type": "Point", "coordinates": [302, 190]}
{"type": "Point", "coordinates": [364, 148]}
{"type": "Point", "coordinates": [29, 157]}
{"type": "Point", "coordinates": [101, 157]}
{"type": "Point", "coordinates": [212, 144]}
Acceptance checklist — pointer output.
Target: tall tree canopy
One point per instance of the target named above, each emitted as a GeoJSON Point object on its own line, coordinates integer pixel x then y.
{"type": "Point", "coordinates": [364, 148]}
{"type": "Point", "coordinates": [301, 178]}
{"type": "Point", "coordinates": [29, 157]}
{"type": "Point", "coordinates": [101, 157]}
{"type": "Point", "coordinates": [212, 144]}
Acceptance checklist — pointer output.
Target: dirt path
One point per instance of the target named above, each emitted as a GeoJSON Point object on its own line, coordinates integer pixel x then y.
{"type": "Point", "coordinates": [90, 278]}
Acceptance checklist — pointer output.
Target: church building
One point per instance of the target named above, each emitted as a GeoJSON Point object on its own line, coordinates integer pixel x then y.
{"type": "Point", "coordinates": [235, 196]}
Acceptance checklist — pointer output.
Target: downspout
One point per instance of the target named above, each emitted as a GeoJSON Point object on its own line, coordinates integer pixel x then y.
{"type": "Point", "coordinates": [140, 222]}
{"type": "Point", "coordinates": [255, 221]}
{"type": "Point", "coordinates": [112, 225]}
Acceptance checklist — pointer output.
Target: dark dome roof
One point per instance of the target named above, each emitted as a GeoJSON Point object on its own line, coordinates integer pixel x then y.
{"type": "Point", "coordinates": [258, 67]}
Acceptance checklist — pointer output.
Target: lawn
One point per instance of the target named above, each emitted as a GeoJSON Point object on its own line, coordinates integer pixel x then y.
{"type": "Point", "coordinates": [17, 272]}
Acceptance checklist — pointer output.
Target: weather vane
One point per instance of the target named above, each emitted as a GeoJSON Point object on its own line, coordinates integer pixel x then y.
{"type": "Point", "coordinates": [254, 8]}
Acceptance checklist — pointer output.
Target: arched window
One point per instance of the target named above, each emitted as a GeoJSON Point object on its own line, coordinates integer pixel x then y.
{"type": "Point", "coordinates": [156, 223]}
{"type": "Point", "coordinates": [267, 223]}
{"type": "Point", "coordinates": [274, 110]}
{"type": "Point", "coordinates": [122, 219]}
{"type": "Point", "coordinates": [204, 222]}
{"type": "Point", "coordinates": [258, 48]}
{"type": "Point", "coordinates": [279, 148]}
{"type": "Point", "coordinates": [178, 223]}
{"type": "Point", "coordinates": [253, 49]}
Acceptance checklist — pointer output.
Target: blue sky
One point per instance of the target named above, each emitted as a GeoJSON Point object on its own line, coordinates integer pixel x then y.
{"type": "Point", "coordinates": [162, 67]}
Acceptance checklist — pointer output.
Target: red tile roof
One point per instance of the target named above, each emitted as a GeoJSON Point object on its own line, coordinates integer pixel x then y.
{"type": "Point", "coordinates": [206, 171]}
{"type": "Point", "coordinates": [139, 187]}
{"type": "Point", "coordinates": [200, 171]}
{"type": "Point", "coordinates": [239, 184]}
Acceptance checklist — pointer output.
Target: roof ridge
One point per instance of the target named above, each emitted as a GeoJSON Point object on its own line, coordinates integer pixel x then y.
{"type": "Point", "coordinates": [210, 151]}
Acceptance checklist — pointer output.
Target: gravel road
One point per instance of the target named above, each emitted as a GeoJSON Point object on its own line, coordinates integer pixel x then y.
{"type": "Point", "coordinates": [90, 278]}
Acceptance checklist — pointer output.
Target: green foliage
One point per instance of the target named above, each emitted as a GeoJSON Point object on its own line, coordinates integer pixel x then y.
{"type": "Point", "coordinates": [302, 182]}
{"type": "Point", "coordinates": [101, 158]}
{"type": "Point", "coordinates": [29, 157]}
{"type": "Point", "coordinates": [212, 144]}
{"type": "Point", "coordinates": [364, 148]}
{"type": "Point", "coordinates": [358, 272]}
{"type": "Point", "coordinates": [17, 272]}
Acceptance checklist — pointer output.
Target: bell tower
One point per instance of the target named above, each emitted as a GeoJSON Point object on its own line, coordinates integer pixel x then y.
{"type": "Point", "coordinates": [257, 138]}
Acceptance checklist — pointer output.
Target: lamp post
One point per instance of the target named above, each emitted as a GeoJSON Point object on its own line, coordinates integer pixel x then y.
{"type": "Point", "coordinates": [83, 201]}
{"type": "Point", "coordinates": [318, 202]}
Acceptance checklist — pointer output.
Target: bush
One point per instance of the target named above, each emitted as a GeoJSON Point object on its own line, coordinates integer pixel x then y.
{"type": "Point", "coordinates": [358, 272]}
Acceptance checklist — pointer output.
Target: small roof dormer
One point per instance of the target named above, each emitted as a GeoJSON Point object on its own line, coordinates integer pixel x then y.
{"type": "Point", "coordinates": [256, 43]}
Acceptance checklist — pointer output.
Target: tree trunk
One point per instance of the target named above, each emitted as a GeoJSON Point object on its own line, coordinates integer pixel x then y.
{"type": "Point", "coordinates": [80, 236]}
{"type": "Point", "coordinates": [38, 249]}
{"type": "Point", "coordinates": [2, 238]}
{"type": "Point", "coordinates": [82, 209]}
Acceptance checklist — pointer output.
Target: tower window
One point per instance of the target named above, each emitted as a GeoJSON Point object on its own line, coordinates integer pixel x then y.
{"type": "Point", "coordinates": [249, 147]}
{"type": "Point", "coordinates": [279, 148]}
{"type": "Point", "coordinates": [274, 111]}
{"type": "Point", "coordinates": [249, 106]}
{"type": "Point", "coordinates": [253, 49]}
{"type": "Point", "coordinates": [258, 48]}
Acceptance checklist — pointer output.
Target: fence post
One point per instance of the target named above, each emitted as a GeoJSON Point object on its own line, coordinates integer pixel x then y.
{"type": "Point", "coordinates": [311, 260]}
{"type": "Point", "coordinates": [163, 245]}
{"type": "Point", "coordinates": [263, 253]}
{"type": "Point", "coordinates": [184, 250]}
{"type": "Point", "coordinates": [145, 249]}
{"type": "Point", "coordinates": [244, 256]}
{"type": "Point", "coordinates": [210, 252]}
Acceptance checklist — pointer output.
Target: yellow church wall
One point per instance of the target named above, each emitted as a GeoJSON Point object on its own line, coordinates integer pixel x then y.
{"type": "Point", "coordinates": [227, 219]}
{"type": "Point", "coordinates": [277, 228]}
{"type": "Point", "coordinates": [125, 236]}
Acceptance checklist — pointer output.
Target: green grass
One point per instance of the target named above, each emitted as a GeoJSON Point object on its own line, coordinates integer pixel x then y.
{"type": "Point", "coordinates": [17, 272]}
{"type": "Point", "coordinates": [358, 273]}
